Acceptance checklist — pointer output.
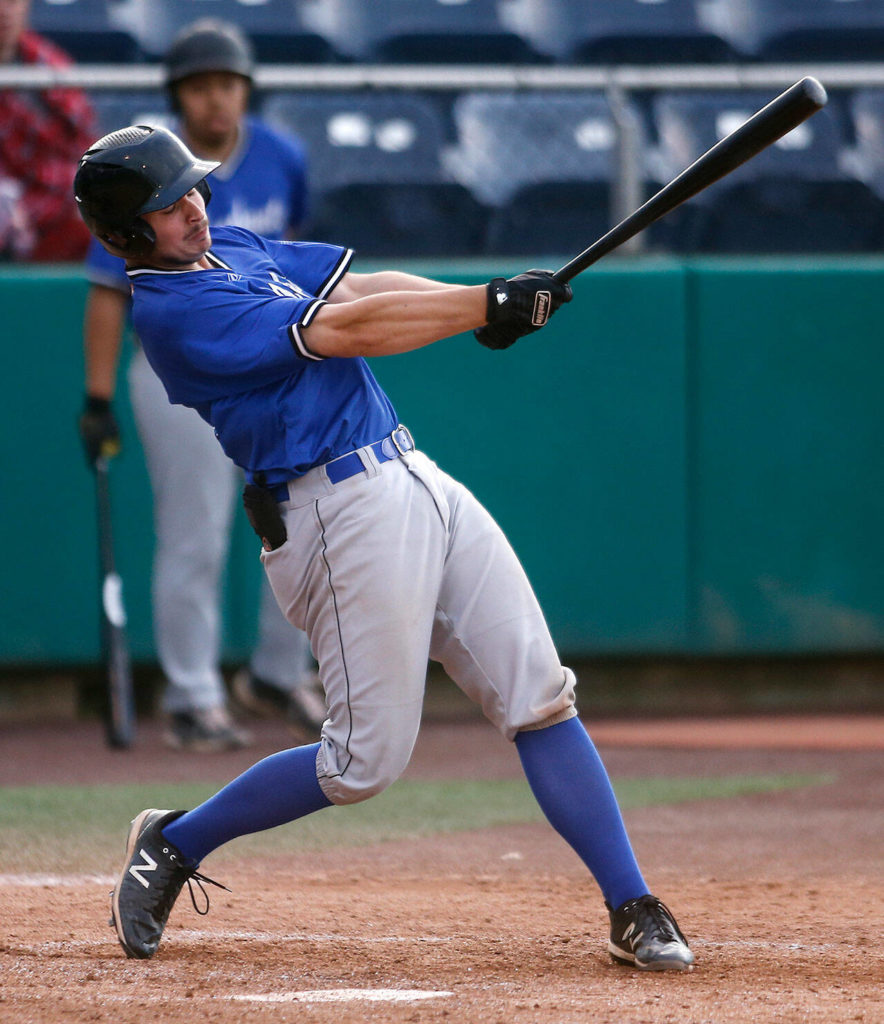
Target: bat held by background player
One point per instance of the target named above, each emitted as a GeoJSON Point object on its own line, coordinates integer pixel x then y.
{"type": "Point", "coordinates": [120, 713]}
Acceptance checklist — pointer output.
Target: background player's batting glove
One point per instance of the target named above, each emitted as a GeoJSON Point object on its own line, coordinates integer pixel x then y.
{"type": "Point", "coordinates": [99, 430]}
{"type": "Point", "coordinates": [520, 306]}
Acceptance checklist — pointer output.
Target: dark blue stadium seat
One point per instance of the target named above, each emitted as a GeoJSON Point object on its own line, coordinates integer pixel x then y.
{"type": "Point", "coordinates": [545, 162]}
{"type": "Point", "coordinates": [620, 31]}
{"type": "Point", "coordinates": [376, 164]}
{"type": "Point", "coordinates": [363, 137]}
{"type": "Point", "coordinates": [785, 216]}
{"type": "Point", "coordinates": [395, 220]}
{"type": "Point", "coordinates": [689, 123]}
{"type": "Point", "coordinates": [507, 140]}
{"type": "Point", "coordinates": [425, 31]}
{"type": "Point", "coordinates": [794, 196]}
{"type": "Point", "coordinates": [866, 108]}
{"type": "Point", "coordinates": [558, 220]}
{"type": "Point", "coordinates": [275, 27]}
{"type": "Point", "coordinates": [118, 108]}
{"type": "Point", "coordinates": [89, 30]}
{"type": "Point", "coordinates": [800, 30]}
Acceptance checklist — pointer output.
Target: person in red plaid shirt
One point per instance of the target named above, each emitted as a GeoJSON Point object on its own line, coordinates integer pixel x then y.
{"type": "Point", "coordinates": [42, 135]}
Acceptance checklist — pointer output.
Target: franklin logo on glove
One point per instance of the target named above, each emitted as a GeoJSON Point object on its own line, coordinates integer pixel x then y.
{"type": "Point", "coordinates": [541, 308]}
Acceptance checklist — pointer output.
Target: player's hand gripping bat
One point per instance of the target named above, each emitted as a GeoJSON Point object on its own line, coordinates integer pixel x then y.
{"type": "Point", "coordinates": [772, 122]}
{"type": "Point", "coordinates": [120, 717]}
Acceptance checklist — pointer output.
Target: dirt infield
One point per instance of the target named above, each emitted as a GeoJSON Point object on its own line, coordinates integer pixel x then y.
{"type": "Point", "coordinates": [780, 895]}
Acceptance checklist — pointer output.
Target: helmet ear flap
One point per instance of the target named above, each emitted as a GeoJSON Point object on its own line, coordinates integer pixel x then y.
{"type": "Point", "coordinates": [135, 242]}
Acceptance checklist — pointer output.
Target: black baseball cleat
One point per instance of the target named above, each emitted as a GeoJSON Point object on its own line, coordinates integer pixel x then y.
{"type": "Point", "coordinates": [644, 934]}
{"type": "Point", "coordinates": [149, 883]}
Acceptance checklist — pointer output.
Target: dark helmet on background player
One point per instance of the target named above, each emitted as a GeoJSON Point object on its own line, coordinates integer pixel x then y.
{"type": "Point", "coordinates": [131, 172]}
{"type": "Point", "coordinates": [207, 45]}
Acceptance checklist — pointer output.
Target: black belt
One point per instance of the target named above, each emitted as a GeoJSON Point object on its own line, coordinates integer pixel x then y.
{"type": "Point", "coordinates": [390, 447]}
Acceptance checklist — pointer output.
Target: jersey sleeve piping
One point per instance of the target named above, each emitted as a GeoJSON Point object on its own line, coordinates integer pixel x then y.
{"type": "Point", "coordinates": [298, 343]}
{"type": "Point", "coordinates": [338, 271]}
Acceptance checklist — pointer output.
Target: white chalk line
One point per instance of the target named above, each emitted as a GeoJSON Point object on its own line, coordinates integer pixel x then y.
{"type": "Point", "coordinates": [343, 995]}
{"type": "Point", "coordinates": [47, 881]}
{"type": "Point", "coordinates": [321, 995]}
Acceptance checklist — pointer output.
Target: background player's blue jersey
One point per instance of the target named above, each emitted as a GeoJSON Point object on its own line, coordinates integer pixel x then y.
{"type": "Point", "coordinates": [261, 186]}
{"type": "Point", "coordinates": [227, 341]}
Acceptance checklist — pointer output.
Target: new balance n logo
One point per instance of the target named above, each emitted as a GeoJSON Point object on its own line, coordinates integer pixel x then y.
{"type": "Point", "coordinates": [149, 865]}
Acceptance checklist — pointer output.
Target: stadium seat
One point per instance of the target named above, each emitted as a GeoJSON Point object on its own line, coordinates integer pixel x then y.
{"type": "Point", "coordinates": [785, 216]}
{"type": "Point", "coordinates": [800, 30]}
{"type": "Point", "coordinates": [118, 108]}
{"type": "Point", "coordinates": [548, 219]}
{"type": "Point", "coordinates": [424, 31]}
{"type": "Point", "coordinates": [507, 140]}
{"type": "Point", "coordinates": [275, 27]}
{"type": "Point", "coordinates": [545, 163]}
{"type": "Point", "coordinates": [410, 219]}
{"type": "Point", "coordinates": [360, 137]}
{"type": "Point", "coordinates": [88, 30]}
{"type": "Point", "coordinates": [619, 31]}
{"type": "Point", "coordinates": [377, 167]}
{"type": "Point", "coordinates": [866, 159]}
{"type": "Point", "coordinates": [794, 196]}
{"type": "Point", "coordinates": [689, 123]}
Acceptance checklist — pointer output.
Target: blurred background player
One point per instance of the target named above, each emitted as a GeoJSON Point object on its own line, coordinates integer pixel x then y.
{"type": "Point", "coordinates": [42, 134]}
{"type": "Point", "coordinates": [261, 184]}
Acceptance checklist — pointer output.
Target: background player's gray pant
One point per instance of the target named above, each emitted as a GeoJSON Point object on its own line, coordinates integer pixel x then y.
{"type": "Point", "coordinates": [385, 569]}
{"type": "Point", "coordinates": [194, 490]}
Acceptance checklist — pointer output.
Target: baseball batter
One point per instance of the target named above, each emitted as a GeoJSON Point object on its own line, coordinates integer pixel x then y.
{"type": "Point", "coordinates": [261, 184]}
{"type": "Point", "coordinates": [382, 557]}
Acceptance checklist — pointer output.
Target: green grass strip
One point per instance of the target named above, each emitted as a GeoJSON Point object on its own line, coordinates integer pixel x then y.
{"type": "Point", "coordinates": [52, 828]}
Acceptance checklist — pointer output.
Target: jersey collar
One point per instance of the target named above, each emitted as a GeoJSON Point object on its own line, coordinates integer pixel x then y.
{"type": "Point", "coordinates": [141, 271]}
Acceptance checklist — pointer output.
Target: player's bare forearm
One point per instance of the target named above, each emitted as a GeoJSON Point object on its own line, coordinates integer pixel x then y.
{"type": "Point", "coordinates": [397, 321]}
{"type": "Point", "coordinates": [359, 286]}
{"type": "Point", "coordinates": [103, 322]}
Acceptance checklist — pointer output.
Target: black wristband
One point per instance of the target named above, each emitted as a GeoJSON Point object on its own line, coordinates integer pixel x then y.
{"type": "Point", "coordinates": [497, 293]}
{"type": "Point", "coordinates": [97, 405]}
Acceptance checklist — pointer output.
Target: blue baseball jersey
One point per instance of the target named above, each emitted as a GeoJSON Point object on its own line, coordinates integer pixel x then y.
{"type": "Point", "coordinates": [227, 341]}
{"type": "Point", "coordinates": [261, 186]}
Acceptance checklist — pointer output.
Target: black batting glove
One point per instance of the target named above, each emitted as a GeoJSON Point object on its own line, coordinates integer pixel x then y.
{"type": "Point", "coordinates": [520, 306]}
{"type": "Point", "coordinates": [99, 430]}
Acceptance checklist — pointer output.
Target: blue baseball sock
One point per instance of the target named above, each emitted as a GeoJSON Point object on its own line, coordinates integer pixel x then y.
{"type": "Point", "coordinates": [274, 791]}
{"type": "Point", "coordinates": [572, 787]}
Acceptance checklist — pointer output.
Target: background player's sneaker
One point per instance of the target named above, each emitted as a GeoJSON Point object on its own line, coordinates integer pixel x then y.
{"type": "Point", "coordinates": [206, 731]}
{"type": "Point", "coordinates": [644, 934]}
{"type": "Point", "coordinates": [303, 706]}
{"type": "Point", "coordinates": [149, 884]}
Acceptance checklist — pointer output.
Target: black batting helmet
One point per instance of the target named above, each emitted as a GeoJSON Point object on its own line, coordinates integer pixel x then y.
{"type": "Point", "coordinates": [130, 172]}
{"type": "Point", "coordinates": [207, 45]}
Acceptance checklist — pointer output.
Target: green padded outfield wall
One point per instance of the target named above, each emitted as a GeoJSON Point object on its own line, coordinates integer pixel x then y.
{"type": "Point", "coordinates": [688, 460]}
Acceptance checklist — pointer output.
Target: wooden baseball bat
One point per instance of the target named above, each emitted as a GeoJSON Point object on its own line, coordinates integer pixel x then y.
{"type": "Point", "coordinates": [120, 713]}
{"type": "Point", "coordinates": [772, 122]}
